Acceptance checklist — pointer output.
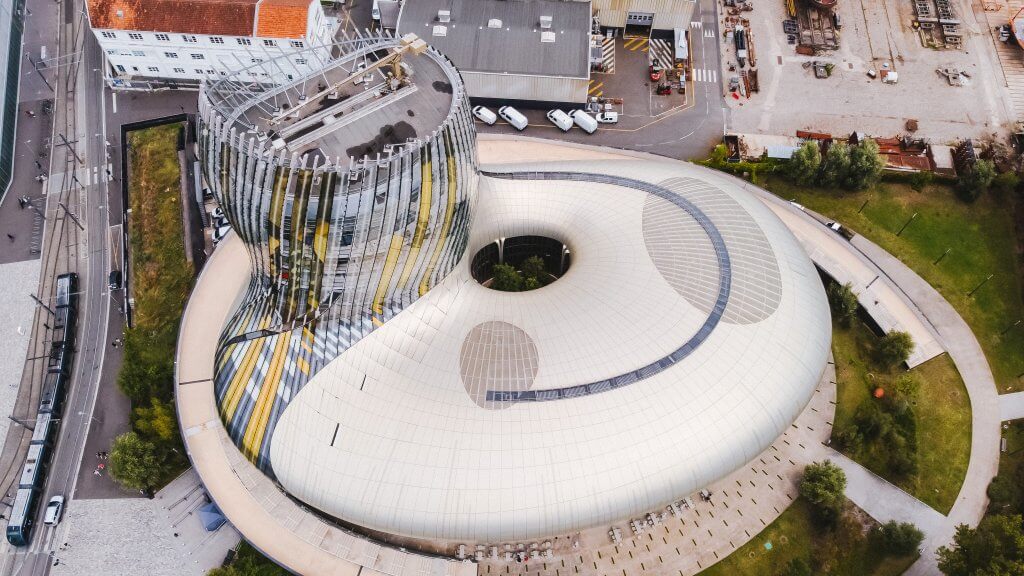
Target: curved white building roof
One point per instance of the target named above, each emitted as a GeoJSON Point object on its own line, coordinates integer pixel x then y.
{"type": "Point", "coordinates": [398, 434]}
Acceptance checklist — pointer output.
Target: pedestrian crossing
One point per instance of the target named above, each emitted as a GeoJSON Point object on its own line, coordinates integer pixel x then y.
{"type": "Point", "coordinates": [706, 32]}
{"type": "Point", "coordinates": [636, 44]}
{"type": "Point", "coordinates": [607, 55]}
{"type": "Point", "coordinates": [595, 89]}
{"type": "Point", "coordinates": [663, 51]}
{"type": "Point", "coordinates": [702, 75]}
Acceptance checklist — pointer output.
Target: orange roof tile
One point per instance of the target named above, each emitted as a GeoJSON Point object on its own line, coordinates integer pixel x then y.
{"type": "Point", "coordinates": [282, 18]}
{"type": "Point", "coordinates": [227, 17]}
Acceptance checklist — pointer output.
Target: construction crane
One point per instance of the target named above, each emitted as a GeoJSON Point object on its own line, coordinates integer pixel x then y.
{"type": "Point", "coordinates": [408, 44]}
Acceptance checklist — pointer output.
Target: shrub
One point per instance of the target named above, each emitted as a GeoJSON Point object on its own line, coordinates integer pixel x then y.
{"type": "Point", "coordinates": [823, 485]}
{"type": "Point", "coordinates": [803, 167]}
{"type": "Point", "coordinates": [975, 180]}
{"type": "Point", "coordinates": [1006, 182]}
{"type": "Point", "coordinates": [894, 348]}
{"type": "Point", "coordinates": [920, 180]}
{"type": "Point", "coordinates": [136, 463]}
{"type": "Point", "coordinates": [995, 547]}
{"type": "Point", "coordinates": [899, 538]}
{"type": "Point", "coordinates": [865, 166]}
{"type": "Point", "coordinates": [835, 165]}
{"type": "Point", "coordinates": [797, 567]}
{"type": "Point", "coordinates": [506, 278]}
{"type": "Point", "coordinates": [849, 439]}
{"type": "Point", "coordinates": [843, 302]}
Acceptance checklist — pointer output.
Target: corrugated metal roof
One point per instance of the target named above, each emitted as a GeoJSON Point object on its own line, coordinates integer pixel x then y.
{"type": "Point", "coordinates": [516, 47]}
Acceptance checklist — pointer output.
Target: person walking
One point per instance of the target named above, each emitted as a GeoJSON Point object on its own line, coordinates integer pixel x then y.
{"type": "Point", "coordinates": [10, 237]}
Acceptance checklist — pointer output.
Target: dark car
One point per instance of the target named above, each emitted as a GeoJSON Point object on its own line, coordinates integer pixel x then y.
{"type": "Point", "coordinates": [114, 280]}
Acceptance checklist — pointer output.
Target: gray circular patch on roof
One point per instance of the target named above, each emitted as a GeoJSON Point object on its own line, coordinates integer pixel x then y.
{"type": "Point", "coordinates": [497, 356]}
{"type": "Point", "coordinates": [684, 256]}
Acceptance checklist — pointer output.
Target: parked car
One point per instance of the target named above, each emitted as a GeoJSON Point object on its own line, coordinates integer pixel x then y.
{"type": "Point", "coordinates": [608, 117]}
{"type": "Point", "coordinates": [584, 121]}
{"type": "Point", "coordinates": [114, 280]}
{"type": "Point", "coordinates": [54, 510]}
{"type": "Point", "coordinates": [655, 70]}
{"type": "Point", "coordinates": [217, 213]}
{"type": "Point", "coordinates": [220, 232]}
{"type": "Point", "coordinates": [513, 117]}
{"type": "Point", "coordinates": [485, 115]}
{"type": "Point", "coordinates": [560, 119]}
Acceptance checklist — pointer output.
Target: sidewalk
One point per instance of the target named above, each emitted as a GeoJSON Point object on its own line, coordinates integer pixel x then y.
{"type": "Point", "coordinates": [17, 281]}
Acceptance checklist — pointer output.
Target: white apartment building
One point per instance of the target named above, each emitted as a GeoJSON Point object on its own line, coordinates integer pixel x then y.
{"type": "Point", "coordinates": [151, 44]}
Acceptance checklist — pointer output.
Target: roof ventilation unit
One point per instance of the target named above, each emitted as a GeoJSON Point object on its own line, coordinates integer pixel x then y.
{"type": "Point", "coordinates": [440, 30]}
{"type": "Point", "coordinates": [444, 16]}
{"type": "Point", "coordinates": [494, 23]}
{"type": "Point", "coordinates": [545, 22]}
{"type": "Point", "coordinates": [547, 36]}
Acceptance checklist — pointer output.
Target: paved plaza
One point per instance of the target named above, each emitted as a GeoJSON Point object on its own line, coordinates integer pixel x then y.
{"type": "Point", "coordinates": [118, 536]}
{"type": "Point", "coordinates": [873, 34]}
{"type": "Point", "coordinates": [17, 281]}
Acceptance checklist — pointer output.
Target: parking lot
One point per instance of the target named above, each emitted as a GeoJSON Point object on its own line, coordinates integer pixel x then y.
{"type": "Point", "coordinates": [675, 125]}
{"type": "Point", "coordinates": [874, 34]}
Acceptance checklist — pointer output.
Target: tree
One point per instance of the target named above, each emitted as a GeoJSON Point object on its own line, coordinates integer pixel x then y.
{"type": "Point", "coordinates": [136, 463]}
{"type": "Point", "coordinates": [533, 267]}
{"type": "Point", "coordinates": [994, 548]}
{"type": "Point", "coordinates": [865, 167]}
{"type": "Point", "coordinates": [157, 421]}
{"type": "Point", "coordinates": [898, 538]}
{"type": "Point", "coordinates": [842, 301]}
{"type": "Point", "coordinates": [835, 165]}
{"type": "Point", "coordinates": [975, 180]}
{"type": "Point", "coordinates": [249, 562]}
{"type": "Point", "coordinates": [823, 485]}
{"type": "Point", "coordinates": [506, 278]}
{"type": "Point", "coordinates": [894, 348]}
{"type": "Point", "coordinates": [1006, 182]}
{"type": "Point", "coordinates": [804, 164]}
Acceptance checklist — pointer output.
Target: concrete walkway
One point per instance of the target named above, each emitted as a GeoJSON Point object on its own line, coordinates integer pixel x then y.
{"type": "Point", "coordinates": [1011, 406]}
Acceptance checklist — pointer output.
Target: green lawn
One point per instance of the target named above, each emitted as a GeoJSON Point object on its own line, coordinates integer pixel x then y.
{"type": "Point", "coordinates": [843, 551]}
{"type": "Point", "coordinates": [941, 406]}
{"type": "Point", "coordinates": [981, 241]}
{"type": "Point", "coordinates": [1007, 489]}
{"type": "Point", "coordinates": [161, 278]}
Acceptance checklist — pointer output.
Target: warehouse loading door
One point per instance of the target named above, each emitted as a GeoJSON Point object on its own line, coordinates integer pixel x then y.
{"type": "Point", "coordinates": [638, 24]}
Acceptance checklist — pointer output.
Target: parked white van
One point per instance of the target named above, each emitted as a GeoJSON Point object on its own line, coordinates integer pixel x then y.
{"type": "Point", "coordinates": [584, 120]}
{"type": "Point", "coordinates": [513, 117]}
{"type": "Point", "coordinates": [560, 119]}
{"type": "Point", "coordinates": [485, 115]}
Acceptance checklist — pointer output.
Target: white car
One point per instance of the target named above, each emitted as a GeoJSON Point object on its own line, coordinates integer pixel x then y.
{"type": "Point", "coordinates": [485, 115]}
{"type": "Point", "coordinates": [560, 119]}
{"type": "Point", "coordinates": [54, 510]}
{"type": "Point", "coordinates": [608, 117]}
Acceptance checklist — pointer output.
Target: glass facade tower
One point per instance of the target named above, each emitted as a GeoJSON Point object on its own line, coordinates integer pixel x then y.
{"type": "Point", "coordinates": [352, 189]}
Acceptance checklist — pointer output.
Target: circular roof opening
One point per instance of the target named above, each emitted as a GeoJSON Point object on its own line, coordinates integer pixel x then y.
{"type": "Point", "coordinates": [520, 263]}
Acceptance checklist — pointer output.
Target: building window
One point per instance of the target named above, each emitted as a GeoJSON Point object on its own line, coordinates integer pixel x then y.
{"type": "Point", "coordinates": [289, 76]}
{"type": "Point", "coordinates": [198, 57]}
{"type": "Point", "coordinates": [112, 51]}
{"type": "Point", "coordinates": [243, 41]}
{"type": "Point", "coordinates": [211, 72]}
{"type": "Point", "coordinates": [257, 60]}
{"type": "Point", "coordinates": [269, 42]}
{"type": "Point", "coordinates": [120, 68]}
{"type": "Point", "coordinates": [163, 37]}
{"type": "Point", "coordinates": [188, 38]}
{"type": "Point", "coordinates": [216, 40]}
{"type": "Point", "coordinates": [300, 61]}
{"type": "Point", "coordinates": [109, 35]}
{"type": "Point", "coordinates": [297, 44]}
{"type": "Point", "coordinates": [153, 69]}
{"type": "Point", "coordinates": [179, 70]}
{"type": "Point", "coordinates": [138, 53]}
{"type": "Point", "coordinates": [135, 36]}
{"type": "Point", "coordinates": [171, 54]}
{"type": "Point", "coordinates": [199, 70]}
